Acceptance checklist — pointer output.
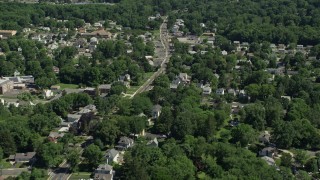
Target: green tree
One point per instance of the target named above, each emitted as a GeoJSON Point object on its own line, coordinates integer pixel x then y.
{"type": "Point", "coordinates": [73, 158]}
{"type": "Point", "coordinates": [93, 155]}
{"type": "Point", "coordinates": [243, 134]}
{"type": "Point", "coordinates": [286, 160]}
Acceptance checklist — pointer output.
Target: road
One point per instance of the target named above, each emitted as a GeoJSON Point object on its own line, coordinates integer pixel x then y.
{"type": "Point", "coordinates": [165, 46]}
{"type": "Point", "coordinates": [13, 171]}
{"type": "Point", "coordinates": [61, 173]}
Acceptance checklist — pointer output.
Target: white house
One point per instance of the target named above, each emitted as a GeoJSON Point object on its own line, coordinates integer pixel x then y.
{"type": "Point", "coordinates": [112, 155]}
{"type": "Point", "coordinates": [220, 91]}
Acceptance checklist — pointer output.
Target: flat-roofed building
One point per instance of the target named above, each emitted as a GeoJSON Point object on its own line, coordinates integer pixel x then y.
{"type": "Point", "coordinates": [7, 33]}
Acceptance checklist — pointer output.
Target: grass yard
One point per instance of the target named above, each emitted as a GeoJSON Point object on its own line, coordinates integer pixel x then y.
{"type": "Point", "coordinates": [5, 164]}
{"type": "Point", "coordinates": [133, 89]}
{"type": "Point", "coordinates": [80, 175]}
{"type": "Point", "coordinates": [69, 86]}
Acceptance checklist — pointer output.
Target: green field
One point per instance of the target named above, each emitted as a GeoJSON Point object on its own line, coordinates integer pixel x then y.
{"type": "Point", "coordinates": [69, 86]}
{"type": "Point", "coordinates": [5, 164]}
{"type": "Point", "coordinates": [133, 89]}
{"type": "Point", "coordinates": [80, 175]}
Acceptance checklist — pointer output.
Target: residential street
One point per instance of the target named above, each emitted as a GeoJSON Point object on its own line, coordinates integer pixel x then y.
{"type": "Point", "coordinates": [61, 173]}
{"type": "Point", "coordinates": [165, 45]}
{"type": "Point", "coordinates": [13, 171]}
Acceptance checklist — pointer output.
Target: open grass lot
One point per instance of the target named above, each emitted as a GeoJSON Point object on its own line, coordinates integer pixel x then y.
{"type": "Point", "coordinates": [5, 164]}
{"type": "Point", "coordinates": [70, 86]}
{"type": "Point", "coordinates": [133, 89]}
{"type": "Point", "coordinates": [80, 175]}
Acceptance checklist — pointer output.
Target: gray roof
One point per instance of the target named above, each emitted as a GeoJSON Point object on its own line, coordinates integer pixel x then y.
{"type": "Point", "coordinates": [28, 155]}
{"type": "Point", "coordinates": [105, 86]}
{"type": "Point", "coordinates": [4, 81]}
{"type": "Point", "coordinates": [112, 153]}
{"type": "Point", "coordinates": [125, 140]}
{"type": "Point", "coordinates": [105, 167]}
{"type": "Point", "coordinates": [156, 108]}
{"type": "Point", "coordinates": [153, 142]}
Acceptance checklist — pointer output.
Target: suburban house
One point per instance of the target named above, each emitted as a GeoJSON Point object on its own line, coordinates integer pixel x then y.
{"type": "Point", "coordinates": [20, 80]}
{"type": "Point", "coordinates": [265, 137]}
{"type": "Point", "coordinates": [90, 91]}
{"type": "Point", "coordinates": [74, 117]}
{"type": "Point", "coordinates": [112, 155]}
{"type": "Point", "coordinates": [5, 86]}
{"type": "Point", "coordinates": [98, 33]}
{"type": "Point", "coordinates": [103, 172]}
{"type": "Point", "coordinates": [153, 142]}
{"type": "Point", "coordinates": [7, 33]}
{"type": "Point", "coordinates": [268, 151]}
{"type": "Point", "coordinates": [270, 161]}
{"type": "Point", "coordinates": [23, 157]}
{"type": "Point", "coordinates": [220, 91]}
{"type": "Point", "coordinates": [47, 93]}
{"type": "Point", "coordinates": [184, 78]}
{"type": "Point", "coordinates": [156, 111]}
{"type": "Point", "coordinates": [54, 136]}
{"type": "Point", "coordinates": [124, 143]}
{"type": "Point", "coordinates": [206, 90]}
{"type": "Point", "coordinates": [104, 88]}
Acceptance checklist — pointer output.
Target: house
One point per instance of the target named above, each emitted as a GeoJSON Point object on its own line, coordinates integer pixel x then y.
{"type": "Point", "coordinates": [54, 136]}
{"type": "Point", "coordinates": [90, 91]}
{"type": "Point", "coordinates": [156, 111]}
{"type": "Point", "coordinates": [94, 41]}
{"type": "Point", "coordinates": [270, 161]}
{"type": "Point", "coordinates": [87, 109]}
{"type": "Point", "coordinates": [184, 78]}
{"type": "Point", "coordinates": [220, 91]}
{"type": "Point", "coordinates": [21, 79]}
{"type": "Point", "coordinates": [264, 137]}
{"type": "Point", "coordinates": [268, 151]}
{"type": "Point", "coordinates": [56, 69]}
{"type": "Point", "coordinates": [103, 172]}
{"type": "Point", "coordinates": [23, 157]}
{"type": "Point", "coordinates": [54, 88]}
{"type": "Point", "coordinates": [125, 77]}
{"type": "Point", "coordinates": [124, 143]}
{"type": "Point", "coordinates": [112, 155]}
{"type": "Point", "coordinates": [5, 86]}
{"type": "Point", "coordinates": [232, 92]}
{"type": "Point", "coordinates": [73, 117]}
{"type": "Point", "coordinates": [206, 90]}
{"type": "Point", "coordinates": [224, 52]}
{"type": "Point", "coordinates": [153, 142]}
{"type": "Point", "coordinates": [47, 93]}
{"type": "Point", "coordinates": [7, 33]}
{"type": "Point", "coordinates": [101, 33]}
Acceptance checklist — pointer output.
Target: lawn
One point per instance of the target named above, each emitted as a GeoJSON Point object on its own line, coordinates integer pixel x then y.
{"type": "Point", "coordinates": [80, 175]}
{"type": "Point", "coordinates": [5, 164]}
{"type": "Point", "coordinates": [69, 86]}
{"type": "Point", "coordinates": [133, 89]}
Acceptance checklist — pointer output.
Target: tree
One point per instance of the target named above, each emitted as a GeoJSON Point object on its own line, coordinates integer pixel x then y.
{"type": "Point", "coordinates": [255, 116]}
{"type": "Point", "coordinates": [107, 132]}
{"type": "Point", "coordinates": [286, 160]}
{"type": "Point", "coordinates": [7, 142]}
{"type": "Point", "coordinates": [73, 158]}
{"type": "Point", "coordinates": [50, 154]}
{"type": "Point", "coordinates": [93, 155]}
{"type": "Point", "coordinates": [243, 134]}
{"type": "Point", "coordinates": [164, 122]}
{"type": "Point", "coordinates": [1, 154]}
